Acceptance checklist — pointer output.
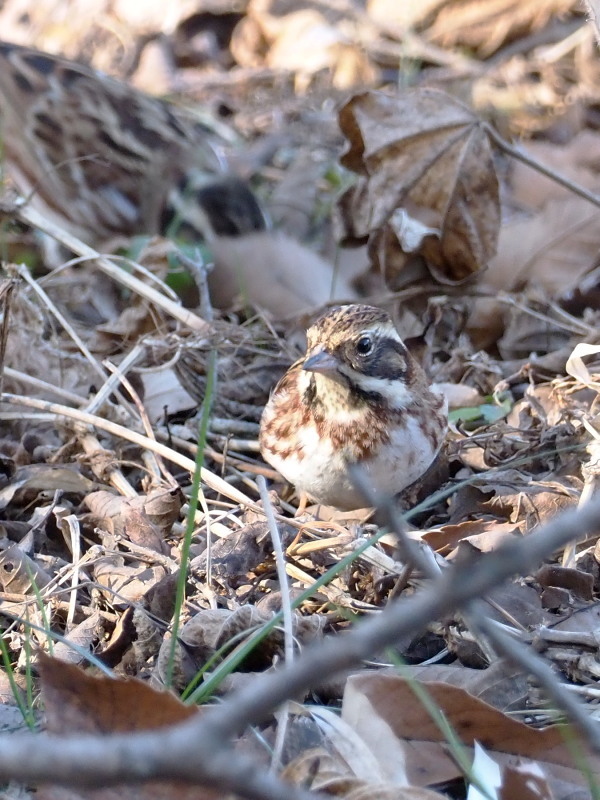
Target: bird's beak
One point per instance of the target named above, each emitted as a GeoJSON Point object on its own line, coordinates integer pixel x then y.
{"type": "Point", "coordinates": [321, 361]}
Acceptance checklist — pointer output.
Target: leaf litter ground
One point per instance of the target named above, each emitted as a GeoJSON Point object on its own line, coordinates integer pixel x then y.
{"type": "Point", "coordinates": [93, 516]}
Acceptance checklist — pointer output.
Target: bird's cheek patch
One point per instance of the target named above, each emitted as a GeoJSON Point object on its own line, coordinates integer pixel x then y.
{"type": "Point", "coordinates": [387, 363]}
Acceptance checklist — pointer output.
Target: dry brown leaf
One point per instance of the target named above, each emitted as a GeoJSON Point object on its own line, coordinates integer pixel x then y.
{"type": "Point", "coordinates": [534, 505]}
{"type": "Point", "coordinates": [196, 644]}
{"type": "Point", "coordinates": [384, 709]}
{"type": "Point", "coordinates": [139, 529]}
{"type": "Point", "coordinates": [211, 629]}
{"type": "Point", "coordinates": [134, 321]}
{"type": "Point", "coordinates": [345, 767]}
{"type": "Point", "coordinates": [501, 685]}
{"type": "Point", "coordinates": [580, 583]}
{"type": "Point", "coordinates": [517, 601]}
{"type": "Point", "coordinates": [150, 619]}
{"type": "Point", "coordinates": [145, 520]}
{"type": "Point", "coordinates": [163, 390]}
{"type": "Point", "coordinates": [487, 26]}
{"type": "Point", "coordinates": [240, 553]}
{"type": "Point", "coordinates": [83, 636]}
{"type": "Point", "coordinates": [130, 582]}
{"type": "Point", "coordinates": [430, 187]}
{"type": "Point", "coordinates": [75, 702]}
{"type": "Point", "coordinates": [484, 534]}
{"type": "Point", "coordinates": [526, 780]}
{"type": "Point", "coordinates": [29, 481]}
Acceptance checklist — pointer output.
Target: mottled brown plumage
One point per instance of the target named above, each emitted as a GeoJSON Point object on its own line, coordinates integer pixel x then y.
{"type": "Point", "coordinates": [357, 397]}
{"type": "Point", "coordinates": [103, 158]}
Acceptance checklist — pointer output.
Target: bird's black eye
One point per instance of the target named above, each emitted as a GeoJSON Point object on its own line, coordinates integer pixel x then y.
{"type": "Point", "coordinates": [364, 346]}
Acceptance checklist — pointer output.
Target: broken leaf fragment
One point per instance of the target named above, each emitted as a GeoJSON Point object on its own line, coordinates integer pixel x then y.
{"type": "Point", "coordinates": [428, 183]}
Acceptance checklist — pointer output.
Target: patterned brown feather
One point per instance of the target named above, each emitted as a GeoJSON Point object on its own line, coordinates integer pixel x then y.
{"type": "Point", "coordinates": [104, 158]}
{"type": "Point", "coordinates": [337, 406]}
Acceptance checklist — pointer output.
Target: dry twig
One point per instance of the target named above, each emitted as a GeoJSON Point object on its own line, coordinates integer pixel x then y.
{"type": "Point", "coordinates": [199, 750]}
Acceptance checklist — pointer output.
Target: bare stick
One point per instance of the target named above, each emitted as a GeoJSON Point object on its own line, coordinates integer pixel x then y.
{"type": "Point", "coordinates": [519, 154]}
{"type": "Point", "coordinates": [198, 750]}
{"type": "Point", "coordinates": [286, 608]}
{"type": "Point", "coordinates": [31, 217]}
{"type": "Point", "coordinates": [214, 481]}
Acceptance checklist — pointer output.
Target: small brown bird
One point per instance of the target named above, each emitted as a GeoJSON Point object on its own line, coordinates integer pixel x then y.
{"type": "Point", "coordinates": [102, 158]}
{"type": "Point", "coordinates": [357, 397]}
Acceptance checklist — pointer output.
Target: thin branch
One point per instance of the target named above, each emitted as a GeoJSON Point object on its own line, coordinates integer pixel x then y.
{"type": "Point", "coordinates": [286, 608]}
{"type": "Point", "coordinates": [213, 481]}
{"type": "Point", "coordinates": [199, 750]}
{"type": "Point", "coordinates": [519, 154]}
{"type": "Point", "coordinates": [27, 214]}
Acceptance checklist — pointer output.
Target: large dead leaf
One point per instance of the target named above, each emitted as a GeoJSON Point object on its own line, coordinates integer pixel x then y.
{"type": "Point", "coordinates": [500, 685]}
{"type": "Point", "coordinates": [20, 574]}
{"type": "Point", "coordinates": [212, 629]}
{"type": "Point", "coordinates": [485, 534]}
{"type": "Point", "coordinates": [28, 481]}
{"type": "Point", "coordinates": [385, 710]}
{"type": "Point", "coordinates": [429, 184]}
{"type": "Point", "coordinates": [344, 765]}
{"type": "Point", "coordinates": [76, 702]}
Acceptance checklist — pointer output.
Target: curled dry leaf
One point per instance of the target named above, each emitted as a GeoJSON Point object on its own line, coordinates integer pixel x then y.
{"type": "Point", "coordinates": [144, 520]}
{"type": "Point", "coordinates": [20, 574]}
{"type": "Point", "coordinates": [240, 553]}
{"type": "Point", "coordinates": [211, 629]}
{"type": "Point", "coordinates": [349, 788]}
{"type": "Point", "coordinates": [151, 617]}
{"type": "Point", "coordinates": [122, 583]}
{"type": "Point", "coordinates": [29, 480]}
{"type": "Point", "coordinates": [428, 187]}
{"type": "Point", "coordinates": [82, 636]}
